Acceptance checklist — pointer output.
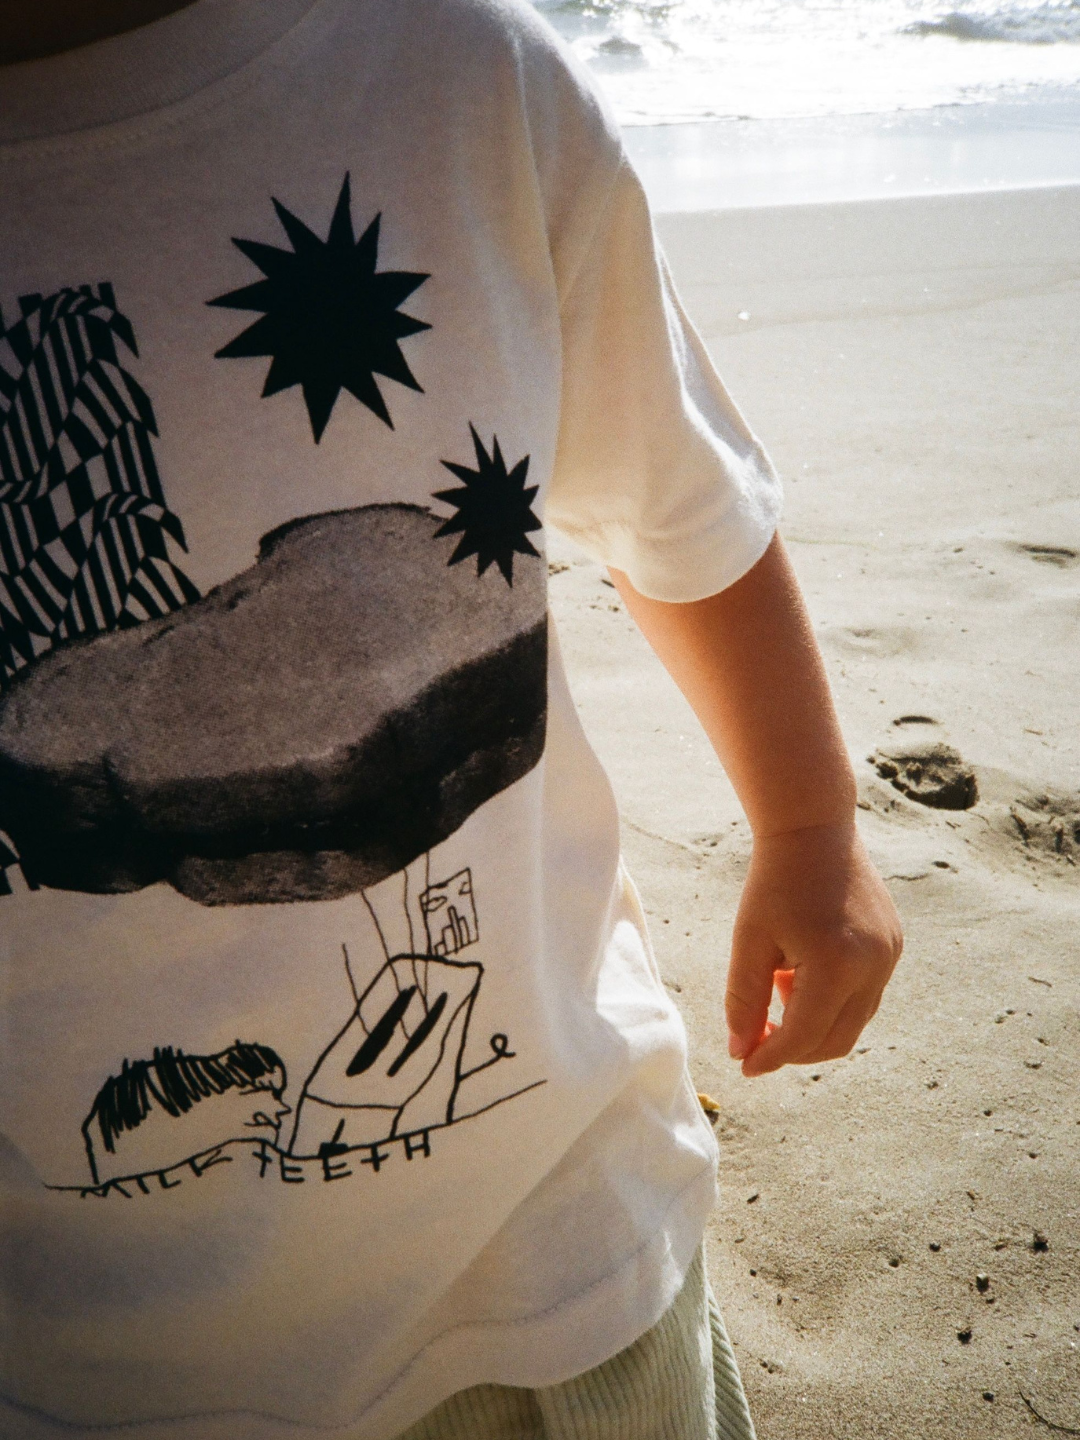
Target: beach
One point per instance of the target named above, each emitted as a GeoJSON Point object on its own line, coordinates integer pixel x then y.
{"type": "Point", "coordinates": [897, 1245]}
{"type": "Point", "coordinates": [736, 164]}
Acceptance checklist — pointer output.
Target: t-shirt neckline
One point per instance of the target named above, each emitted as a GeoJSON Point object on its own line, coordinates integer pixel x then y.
{"type": "Point", "coordinates": [142, 71]}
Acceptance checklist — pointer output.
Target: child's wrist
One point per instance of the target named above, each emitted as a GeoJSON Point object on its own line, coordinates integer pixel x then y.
{"type": "Point", "coordinates": [836, 816]}
{"type": "Point", "coordinates": [839, 825]}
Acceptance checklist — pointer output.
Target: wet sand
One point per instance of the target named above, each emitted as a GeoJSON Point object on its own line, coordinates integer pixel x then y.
{"type": "Point", "coordinates": [911, 365]}
{"type": "Point", "coordinates": [951, 149]}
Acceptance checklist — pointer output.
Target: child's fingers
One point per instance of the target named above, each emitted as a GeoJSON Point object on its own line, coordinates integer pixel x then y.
{"type": "Point", "coordinates": [809, 1017]}
{"type": "Point", "coordinates": [754, 958]}
{"type": "Point", "coordinates": [784, 980]}
{"type": "Point", "coordinates": [847, 1027]}
{"type": "Point", "coordinates": [810, 1037]}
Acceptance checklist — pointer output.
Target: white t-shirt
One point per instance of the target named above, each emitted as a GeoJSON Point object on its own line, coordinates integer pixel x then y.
{"type": "Point", "coordinates": [336, 1073]}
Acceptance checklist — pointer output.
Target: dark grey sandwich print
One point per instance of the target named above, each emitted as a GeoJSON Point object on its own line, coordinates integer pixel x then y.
{"type": "Point", "coordinates": [303, 731]}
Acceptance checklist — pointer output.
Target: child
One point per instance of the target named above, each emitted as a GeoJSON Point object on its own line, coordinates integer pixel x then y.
{"type": "Point", "coordinates": [339, 1089]}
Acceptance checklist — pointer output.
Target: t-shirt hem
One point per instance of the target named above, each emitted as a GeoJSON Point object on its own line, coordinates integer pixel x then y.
{"type": "Point", "coordinates": [565, 1340]}
{"type": "Point", "coordinates": [546, 1348]}
{"type": "Point", "coordinates": [684, 568]}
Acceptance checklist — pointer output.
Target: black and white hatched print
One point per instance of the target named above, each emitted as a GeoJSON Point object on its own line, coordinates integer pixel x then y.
{"type": "Point", "coordinates": [85, 532]}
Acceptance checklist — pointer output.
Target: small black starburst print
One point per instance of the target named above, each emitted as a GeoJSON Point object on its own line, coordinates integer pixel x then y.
{"type": "Point", "coordinates": [330, 320]}
{"type": "Point", "coordinates": [494, 510]}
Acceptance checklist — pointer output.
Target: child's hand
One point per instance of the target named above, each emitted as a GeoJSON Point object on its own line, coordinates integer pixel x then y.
{"type": "Point", "coordinates": [816, 920]}
{"type": "Point", "coordinates": [815, 917]}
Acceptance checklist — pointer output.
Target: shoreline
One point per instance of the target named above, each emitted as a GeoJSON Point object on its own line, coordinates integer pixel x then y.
{"type": "Point", "coordinates": [735, 164]}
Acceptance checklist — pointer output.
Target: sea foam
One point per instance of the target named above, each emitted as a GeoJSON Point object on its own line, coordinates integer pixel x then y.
{"type": "Point", "coordinates": [1046, 25]}
{"type": "Point", "coordinates": [682, 60]}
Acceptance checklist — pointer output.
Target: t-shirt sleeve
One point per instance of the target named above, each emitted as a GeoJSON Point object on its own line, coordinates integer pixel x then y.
{"type": "Point", "coordinates": [656, 472]}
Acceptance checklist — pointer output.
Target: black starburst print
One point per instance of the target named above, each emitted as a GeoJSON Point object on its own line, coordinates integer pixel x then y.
{"type": "Point", "coordinates": [494, 510]}
{"type": "Point", "coordinates": [330, 320]}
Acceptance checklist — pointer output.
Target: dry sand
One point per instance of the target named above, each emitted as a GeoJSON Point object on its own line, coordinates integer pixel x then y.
{"type": "Point", "coordinates": [912, 367]}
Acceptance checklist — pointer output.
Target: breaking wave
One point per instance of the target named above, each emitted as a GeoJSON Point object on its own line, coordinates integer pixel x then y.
{"type": "Point", "coordinates": [678, 60]}
{"type": "Point", "coordinates": [1047, 25]}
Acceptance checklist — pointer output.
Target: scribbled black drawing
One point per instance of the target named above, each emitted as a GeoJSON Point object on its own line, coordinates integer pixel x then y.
{"type": "Point", "coordinates": [84, 527]}
{"type": "Point", "coordinates": [395, 1068]}
{"type": "Point", "coordinates": [177, 1109]}
{"type": "Point", "coordinates": [9, 865]}
{"type": "Point", "coordinates": [329, 320]}
{"type": "Point", "coordinates": [346, 704]}
{"type": "Point", "coordinates": [494, 510]}
{"type": "Point", "coordinates": [388, 1079]}
{"type": "Point", "coordinates": [449, 912]}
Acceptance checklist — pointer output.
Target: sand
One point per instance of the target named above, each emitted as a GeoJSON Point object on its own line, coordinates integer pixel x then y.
{"type": "Point", "coordinates": [911, 365]}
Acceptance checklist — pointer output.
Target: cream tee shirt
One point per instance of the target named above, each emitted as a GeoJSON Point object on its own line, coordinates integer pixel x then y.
{"type": "Point", "coordinates": [336, 1074]}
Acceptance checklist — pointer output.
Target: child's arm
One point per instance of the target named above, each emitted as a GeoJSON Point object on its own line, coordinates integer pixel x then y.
{"type": "Point", "coordinates": [813, 905]}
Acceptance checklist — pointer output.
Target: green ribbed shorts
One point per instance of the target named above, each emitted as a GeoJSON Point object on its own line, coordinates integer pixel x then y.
{"type": "Point", "coordinates": [678, 1381]}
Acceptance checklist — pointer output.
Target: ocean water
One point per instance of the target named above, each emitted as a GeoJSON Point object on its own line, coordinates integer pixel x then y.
{"type": "Point", "coordinates": [666, 61]}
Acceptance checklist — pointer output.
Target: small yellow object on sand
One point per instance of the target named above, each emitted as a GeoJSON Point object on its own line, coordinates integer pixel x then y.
{"type": "Point", "coordinates": [710, 1106]}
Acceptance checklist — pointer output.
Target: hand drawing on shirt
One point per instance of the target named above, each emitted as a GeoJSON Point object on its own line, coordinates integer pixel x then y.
{"type": "Point", "coordinates": [389, 1077]}
{"type": "Point", "coordinates": [396, 1066]}
{"type": "Point", "coordinates": [178, 1109]}
{"type": "Point", "coordinates": [449, 912]}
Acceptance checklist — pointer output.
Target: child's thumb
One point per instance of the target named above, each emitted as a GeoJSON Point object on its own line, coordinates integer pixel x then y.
{"type": "Point", "coordinates": [754, 960]}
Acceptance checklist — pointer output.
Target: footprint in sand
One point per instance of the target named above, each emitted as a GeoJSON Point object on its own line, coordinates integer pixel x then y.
{"type": "Point", "coordinates": [871, 642]}
{"type": "Point", "coordinates": [1059, 555]}
{"type": "Point", "coordinates": [929, 772]}
{"type": "Point", "coordinates": [1048, 824]}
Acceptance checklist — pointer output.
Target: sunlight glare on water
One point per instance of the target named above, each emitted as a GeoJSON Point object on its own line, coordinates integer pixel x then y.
{"type": "Point", "coordinates": [678, 60]}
